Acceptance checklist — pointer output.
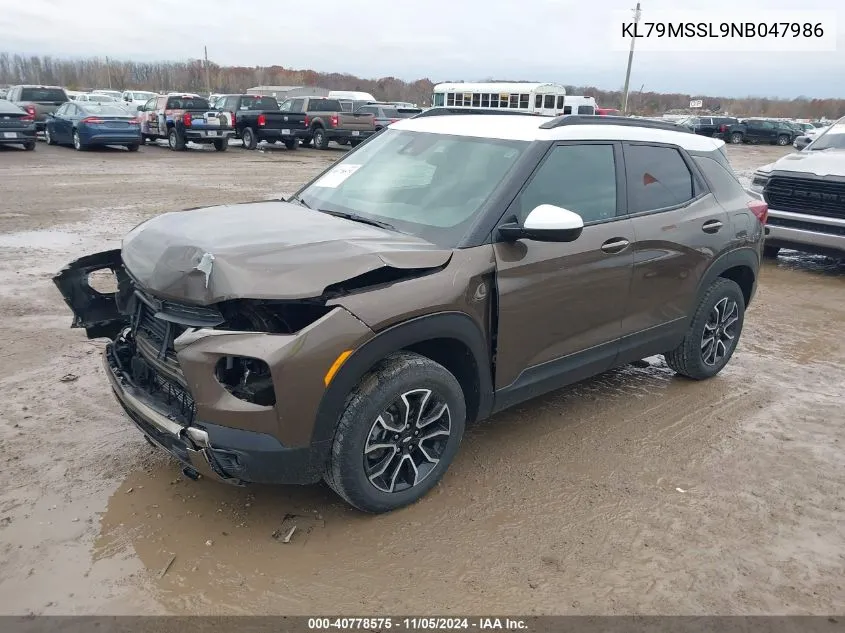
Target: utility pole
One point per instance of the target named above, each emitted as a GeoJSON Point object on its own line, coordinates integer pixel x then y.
{"type": "Point", "coordinates": [630, 61]}
{"type": "Point", "coordinates": [207, 75]}
{"type": "Point", "coordinates": [108, 70]}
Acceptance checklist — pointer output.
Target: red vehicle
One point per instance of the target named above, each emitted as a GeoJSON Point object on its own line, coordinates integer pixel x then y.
{"type": "Point", "coordinates": [608, 112]}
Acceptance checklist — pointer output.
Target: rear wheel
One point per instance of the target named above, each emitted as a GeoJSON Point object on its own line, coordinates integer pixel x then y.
{"type": "Point", "coordinates": [29, 146]}
{"type": "Point", "coordinates": [783, 139]}
{"type": "Point", "coordinates": [354, 143]}
{"type": "Point", "coordinates": [133, 148]}
{"type": "Point", "coordinates": [771, 251]}
{"type": "Point", "coordinates": [78, 145]}
{"type": "Point", "coordinates": [175, 141]}
{"type": "Point", "coordinates": [294, 144]}
{"type": "Point", "coordinates": [249, 139]}
{"type": "Point", "coordinates": [736, 138]}
{"type": "Point", "coordinates": [222, 145]}
{"type": "Point", "coordinates": [321, 141]}
{"type": "Point", "coordinates": [713, 333]}
{"type": "Point", "coordinates": [398, 434]}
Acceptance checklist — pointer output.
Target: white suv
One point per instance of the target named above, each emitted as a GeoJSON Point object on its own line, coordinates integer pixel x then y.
{"type": "Point", "coordinates": [806, 196]}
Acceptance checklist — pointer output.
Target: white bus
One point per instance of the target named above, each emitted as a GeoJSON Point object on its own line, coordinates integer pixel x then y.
{"type": "Point", "coordinates": [534, 98]}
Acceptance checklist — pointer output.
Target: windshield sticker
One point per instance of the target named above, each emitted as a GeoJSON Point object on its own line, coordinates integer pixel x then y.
{"type": "Point", "coordinates": [336, 176]}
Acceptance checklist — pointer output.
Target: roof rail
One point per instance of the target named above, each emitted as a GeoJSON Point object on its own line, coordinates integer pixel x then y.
{"type": "Point", "coordinates": [592, 119]}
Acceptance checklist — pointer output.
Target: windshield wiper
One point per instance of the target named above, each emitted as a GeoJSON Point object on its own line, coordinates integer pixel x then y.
{"type": "Point", "coordinates": [300, 201]}
{"type": "Point", "coordinates": [359, 218]}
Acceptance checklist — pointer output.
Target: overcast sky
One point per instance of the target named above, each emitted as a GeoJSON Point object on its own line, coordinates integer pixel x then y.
{"type": "Point", "coordinates": [567, 41]}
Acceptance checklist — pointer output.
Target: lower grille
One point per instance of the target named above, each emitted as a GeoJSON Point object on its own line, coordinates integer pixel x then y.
{"type": "Point", "coordinates": [806, 195]}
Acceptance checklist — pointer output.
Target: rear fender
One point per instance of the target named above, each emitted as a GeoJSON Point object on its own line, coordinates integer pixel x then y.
{"type": "Point", "coordinates": [99, 313]}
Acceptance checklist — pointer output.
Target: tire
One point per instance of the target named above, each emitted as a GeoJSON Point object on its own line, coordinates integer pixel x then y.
{"type": "Point", "coordinates": [29, 146]}
{"type": "Point", "coordinates": [771, 251]}
{"type": "Point", "coordinates": [354, 143]}
{"type": "Point", "coordinates": [343, 141]}
{"type": "Point", "coordinates": [222, 145]}
{"type": "Point", "coordinates": [722, 307]}
{"type": "Point", "coordinates": [783, 140]}
{"type": "Point", "coordinates": [306, 142]}
{"type": "Point", "coordinates": [736, 138]}
{"type": "Point", "coordinates": [48, 137]}
{"type": "Point", "coordinates": [321, 141]}
{"type": "Point", "coordinates": [400, 378]}
{"type": "Point", "coordinates": [78, 145]}
{"type": "Point", "coordinates": [294, 144]}
{"type": "Point", "coordinates": [175, 141]}
{"type": "Point", "coordinates": [248, 136]}
{"type": "Point", "coordinates": [133, 148]}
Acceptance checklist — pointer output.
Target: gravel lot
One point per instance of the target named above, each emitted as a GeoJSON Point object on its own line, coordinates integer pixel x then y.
{"type": "Point", "coordinates": [633, 492]}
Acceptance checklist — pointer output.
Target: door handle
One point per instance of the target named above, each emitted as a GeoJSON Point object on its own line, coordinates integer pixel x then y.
{"type": "Point", "coordinates": [615, 245]}
{"type": "Point", "coordinates": [711, 226]}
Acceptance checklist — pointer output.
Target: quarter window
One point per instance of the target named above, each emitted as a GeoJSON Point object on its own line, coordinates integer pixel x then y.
{"type": "Point", "coordinates": [581, 178]}
{"type": "Point", "coordinates": [658, 178]}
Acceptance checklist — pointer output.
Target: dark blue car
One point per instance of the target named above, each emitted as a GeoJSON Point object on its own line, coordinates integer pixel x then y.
{"type": "Point", "coordinates": [84, 125]}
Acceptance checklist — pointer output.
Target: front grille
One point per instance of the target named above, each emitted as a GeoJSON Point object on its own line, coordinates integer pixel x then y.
{"type": "Point", "coordinates": [155, 324]}
{"type": "Point", "coordinates": [807, 226]}
{"type": "Point", "coordinates": [806, 195]}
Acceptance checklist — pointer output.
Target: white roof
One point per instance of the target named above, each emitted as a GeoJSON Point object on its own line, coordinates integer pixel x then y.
{"type": "Point", "coordinates": [527, 128]}
{"type": "Point", "coordinates": [496, 86]}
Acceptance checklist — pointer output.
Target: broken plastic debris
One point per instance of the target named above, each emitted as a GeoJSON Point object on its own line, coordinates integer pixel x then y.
{"type": "Point", "coordinates": [205, 266]}
{"type": "Point", "coordinates": [68, 378]}
{"type": "Point", "coordinates": [680, 489]}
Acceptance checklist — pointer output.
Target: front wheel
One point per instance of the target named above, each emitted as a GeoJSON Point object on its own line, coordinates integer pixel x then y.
{"type": "Point", "coordinates": [249, 139]}
{"type": "Point", "coordinates": [713, 334]}
{"type": "Point", "coordinates": [771, 251]}
{"type": "Point", "coordinates": [48, 136]}
{"type": "Point", "coordinates": [783, 140]}
{"type": "Point", "coordinates": [398, 434]}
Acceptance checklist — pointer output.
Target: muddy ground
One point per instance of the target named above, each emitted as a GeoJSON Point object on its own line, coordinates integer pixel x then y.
{"type": "Point", "coordinates": [634, 492]}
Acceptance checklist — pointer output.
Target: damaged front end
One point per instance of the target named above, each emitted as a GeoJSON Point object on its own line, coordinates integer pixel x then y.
{"type": "Point", "coordinates": [230, 389]}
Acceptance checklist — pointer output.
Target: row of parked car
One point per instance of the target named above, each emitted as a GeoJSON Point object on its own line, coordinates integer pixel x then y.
{"type": "Point", "coordinates": [755, 130]}
{"type": "Point", "coordinates": [132, 118]}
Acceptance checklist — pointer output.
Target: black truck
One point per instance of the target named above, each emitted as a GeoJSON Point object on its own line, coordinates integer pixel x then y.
{"type": "Point", "coordinates": [258, 118]}
{"type": "Point", "coordinates": [757, 131]}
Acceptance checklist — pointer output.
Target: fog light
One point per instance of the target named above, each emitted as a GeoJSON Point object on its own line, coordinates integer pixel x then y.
{"type": "Point", "coordinates": [246, 378]}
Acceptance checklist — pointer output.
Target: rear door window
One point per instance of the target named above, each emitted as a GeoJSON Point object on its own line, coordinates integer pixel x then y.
{"type": "Point", "coordinates": [658, 178]}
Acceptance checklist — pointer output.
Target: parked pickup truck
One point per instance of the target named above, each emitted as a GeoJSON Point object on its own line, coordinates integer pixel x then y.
{"type": "Point", "coordinates": [326, 121]}
{"type": "Point", "coordinates": [258, 118]}
{"type": "Point", "coordinates": [38, 101]}
{"type": "Point", "coordinates": [183, 118]}
{"type": "Point", "coordinates": [757, 131]}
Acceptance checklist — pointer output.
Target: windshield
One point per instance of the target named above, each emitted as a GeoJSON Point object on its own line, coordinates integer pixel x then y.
{"type": "Point", "coordinates": [428, 185]}
{"type": "Point", "coordinates": [102, 98]}
{"type": "Point", "coordinates": [833, 138]}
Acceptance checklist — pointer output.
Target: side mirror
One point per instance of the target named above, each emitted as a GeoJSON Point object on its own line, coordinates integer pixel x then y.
{"type": "Point", "coordinates": [546, 223]}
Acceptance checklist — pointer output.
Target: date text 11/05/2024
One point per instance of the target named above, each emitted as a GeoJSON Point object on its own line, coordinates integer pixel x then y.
{"type": "Point", "coordinates": [723, 29]}
{"type": "Point", "coordinates": [417, 624]}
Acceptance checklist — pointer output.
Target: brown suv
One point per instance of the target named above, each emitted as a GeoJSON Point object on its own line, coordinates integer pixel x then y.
{"type": "Point", "coordinates": [447, 268]}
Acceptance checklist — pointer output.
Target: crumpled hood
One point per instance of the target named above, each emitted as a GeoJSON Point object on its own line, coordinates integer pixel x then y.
{"type": "Point", "coordinates": [263, 250]}
{"type": "Point", "coordinates": [821, 163]}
